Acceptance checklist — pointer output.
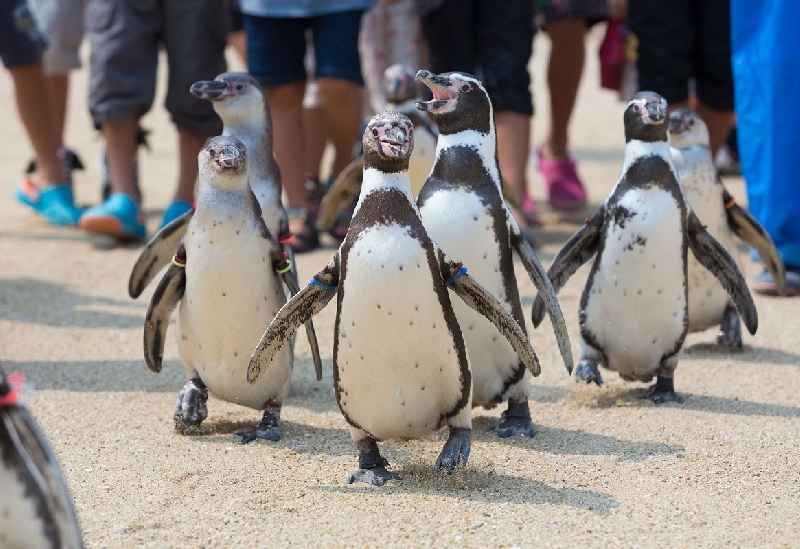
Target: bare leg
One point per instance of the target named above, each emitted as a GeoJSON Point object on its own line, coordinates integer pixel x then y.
{"type": "Point", "coordinates": [316, 132]}
{"type": "Point", "coordinates": [341, 100]}
{"type": "Point", "coordinates": [286, 105]}
{"type": "Point", "coordinates": [35, 111]}
{"type": "Point", "coordinates": [58, 85]}
{"type": "Point", "coordinates": [664, 388]}
{"type": "Point", "coordinates": [563, 79]}
{"type": "Point", "coordinates": [513, 145]}
{"type": "Point", "coordinates": [371, 465]}
{"type": "Point", "coordinates": [587, 369]}
{"type": "Point", "coordinates": [120, 138]}
{"type": "Point", "coordinates": [239, 42]}
{"type": "Point", "coordinates": [188, 148]}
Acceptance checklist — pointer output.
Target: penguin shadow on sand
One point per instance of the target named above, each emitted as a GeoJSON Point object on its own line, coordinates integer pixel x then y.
{"type": "Point", "coordinates": [480, 481]}
{"type": "Point", "coordinates": [707, 350]}
{"type": "Point", "coordinates": [629, 397]}
{"type": "Point", "coordinates": [29, 301]}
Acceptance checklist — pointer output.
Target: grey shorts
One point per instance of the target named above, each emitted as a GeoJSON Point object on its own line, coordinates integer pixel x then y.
{"type": "Point", "coordinates": [61, 21]}
{"type": "Point", "coordinates": [125, 37]}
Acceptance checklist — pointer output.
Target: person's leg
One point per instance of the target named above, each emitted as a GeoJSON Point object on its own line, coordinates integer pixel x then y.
{"type": "Point", "coordinates": [195, 36]}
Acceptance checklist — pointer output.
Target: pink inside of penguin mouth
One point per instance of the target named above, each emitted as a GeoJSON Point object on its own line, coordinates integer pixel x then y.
{"type": "Point", "coordinates": [441, 95]}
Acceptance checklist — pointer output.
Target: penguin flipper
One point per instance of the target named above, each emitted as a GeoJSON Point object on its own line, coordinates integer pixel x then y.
{"type": "Point", "coordinates": [157, 253]}
{"type": "Point", "coordinates": [576, 251]}
{"type": "Point", "coordinates": [290, 278]}
{"type": "Point", "coordinates": [542, 282]}
{"type": "Point", "coordinates": [165, 300]}
{"type": "Point", "coordinates": [713, 256]}
{"type": "Point", "coordinates": [484, 302]}
{"type": "Point", "coordinates": [298, 310]}
{"type": "Point", "coordinates": [346, 185]}
{"type": "Point", "coordinates": [746, 227]}
{"type": "Point", "coordinates": [41, 473]}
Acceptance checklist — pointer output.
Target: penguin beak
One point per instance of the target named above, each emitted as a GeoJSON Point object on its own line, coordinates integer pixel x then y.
{"type": "Point", "coordinates": [444, 98]}
{"type": "Point", "coordinates": [229, 157]}
{"type": "Point", "coordinates": [654, 112]}
{"type": "Point", "coordinates": [395, 142]}
{"type": "Point", "coordinates": [211, 90]}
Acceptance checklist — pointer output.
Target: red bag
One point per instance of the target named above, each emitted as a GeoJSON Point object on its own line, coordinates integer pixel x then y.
{"type": "Point", "coordinates": [612, 55]}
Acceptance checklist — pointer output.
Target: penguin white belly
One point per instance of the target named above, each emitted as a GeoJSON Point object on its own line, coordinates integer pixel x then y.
{"type": "Point", "coordinates": [20, 524]}
{"type": "Point", "coordinates": [707, 297]}
{"type": "Point", "coordinates": [460, 223]}
{"type": "Point", "coordinates": [229, 301]}
{"type": "Point", "coordinates": [421, 162]}
{"type": "Point", "coordinates": [636, 302]}
{"type": "Point", "coordinates": [396, 359]}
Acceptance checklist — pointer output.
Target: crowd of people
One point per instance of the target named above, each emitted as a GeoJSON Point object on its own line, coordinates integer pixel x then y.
{"type": "Point", "coordinates": [314, 59]}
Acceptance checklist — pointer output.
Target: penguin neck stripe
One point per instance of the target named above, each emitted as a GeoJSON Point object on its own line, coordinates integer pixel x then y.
{"type": "Point", "coordinates": [15, 383]}
{"type": "Point", "coordinates": [461, 272]}
{"type": "Point", "coordinates": [315, 282]}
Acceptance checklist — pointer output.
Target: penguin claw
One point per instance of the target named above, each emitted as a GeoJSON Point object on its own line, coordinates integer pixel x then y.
{"type": "Point", "coordinates": [377, 476]}
{"type": "Point", "coordinates": [455, 451]}
{"type": "Point", "coordinates": [268, 429]}
{"type": "Point", "coordinates": [663, 391]}
{"type": "Point", "coordinates": [191, 408]}
{"type": "Point", "coordinates": [587, 371]}
{"type": "Point", "coordinates": [516, 420]}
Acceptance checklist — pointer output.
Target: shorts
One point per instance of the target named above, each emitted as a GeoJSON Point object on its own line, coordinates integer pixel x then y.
{"type": "Point", "coordinates": [125, 38]}
{"type": "Point", "coordinates": [276, 47]}
{"type": "Point", "coordinates": [62, 22]}
{"type": "Point", "coordinates": [21, 41]}
{"type": "Point", "coordinates": [593, 11]}
{"type": "Point", "coordinates": [237, 20]}
{"type": "Point", "coordinates": [489, 39]}
{"type": "Point", "coordinates": [691, 39]}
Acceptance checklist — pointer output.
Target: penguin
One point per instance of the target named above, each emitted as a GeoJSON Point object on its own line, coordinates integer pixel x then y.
{"type": "Point", "coordinates": [400, 90]}
{"type": "Point", "coordinates": [239, 102]}
{"type": "Point", "coordinates": [36, 509]}
{"type": "Point", "coordinates": [463, 210]}
{"type": "Point", "coordinates": [400, 366]}
{"type": "Point", "coordinates": [634, 312]}
{"type": "Point", "coordinates": [225, 281]}
{"type": "Point", "coordinates": [709, 304]}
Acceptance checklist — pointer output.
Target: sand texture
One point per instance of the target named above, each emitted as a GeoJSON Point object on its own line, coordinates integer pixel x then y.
{"type": "Point", "coordinates": [605, 468]}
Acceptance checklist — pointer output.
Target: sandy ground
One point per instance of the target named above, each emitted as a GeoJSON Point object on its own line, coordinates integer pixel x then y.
{"type": "Point", "coordinates": [605, 469]}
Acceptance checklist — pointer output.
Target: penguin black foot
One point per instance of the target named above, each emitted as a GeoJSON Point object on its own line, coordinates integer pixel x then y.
{"type": "Point", "coordinates": [730, 329]}
{"type": "Point", "coordinates": [191, 408]}
{"type": "Point", "coordinates": [268, 429]}
{"type": "Point", "coordinates": [663, 391]}
{"type": "Point", "coordinates": [372, 465]}
{"type": "Point", "coordinates": [516, 420]}
{"type": "Point", "coordinates": [455, 451]}
{"type": "Point", "coordinates": [587, 371]}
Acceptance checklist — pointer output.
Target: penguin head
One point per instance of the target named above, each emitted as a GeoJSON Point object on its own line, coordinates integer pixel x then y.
{"type": "Point", "coordinates": [223, 162]}
{"type": "Point", "coordinates": [460, 102]}
{"type": "Point", "coordinates": [399, 85]}
{"type": "Point", "coordinates": [646, 117]}
{"type": "Point", "coordinates": [687, 129]}
{"type": "Point", "coordinates": [234, 95]}
{"type": "Point", "coordinates": [388, 141]}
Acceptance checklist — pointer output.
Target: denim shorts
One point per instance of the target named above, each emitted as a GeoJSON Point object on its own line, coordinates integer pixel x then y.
{"type": "Point", "coordinates": [276, 47]}
{"type": "Point", "coordinates": [21, 41]}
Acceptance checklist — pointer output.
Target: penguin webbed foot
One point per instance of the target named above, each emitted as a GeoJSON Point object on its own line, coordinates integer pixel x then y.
{"type": "Point", "coordinates": [730, 330]}
{"type": "Point", "coordinates": [516, 420]}
{"type": "Point", "coordinates": [455, 451]}
{"type": "Point", "coordinates": [268, 429]}
{"type": "Point", "coordinates": [587, 371]}
{"type": "Point", "coordinates": [191, 408]}
{"type": "Point", "coordinates": [377, 476]}
{"type": "Point", "coordinates": [663, 391]}
{"type": "Point", "coordinates": [372, 465]}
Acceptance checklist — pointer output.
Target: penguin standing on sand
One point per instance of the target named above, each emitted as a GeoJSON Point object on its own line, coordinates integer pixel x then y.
{"type": "Point", "coordinates": [239, 102]}
{"type": "Point", "coordinates": [225, 281]}
{"type": "Point", "coordinates": [463, 210]}
{"type": "Point", "coordinates": [709, 304]}
{"type": "Point", "coordinates": [36, 509]}
{"type": "Point", "coordinates": [634, 313]}
{"type": "Point", "coordinates": [400, 363]}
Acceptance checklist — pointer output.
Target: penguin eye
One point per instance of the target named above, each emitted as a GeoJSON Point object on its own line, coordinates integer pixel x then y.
{"type": "Point", "coordinates": [212, 152]}
{"type": "Point", "coordinates": [465, 87]}
{"type": "Point", "coordinates": [239, 87]}
{"type": "Point", "coordinates": [636, 108]}
{"type": "Point", "coordinates": [375, 132]}
{"type": "Point", "coordinates": [691, 122]}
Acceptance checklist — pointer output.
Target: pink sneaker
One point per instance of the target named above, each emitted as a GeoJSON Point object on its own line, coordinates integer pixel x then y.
{"type": "Point", "coordinates": [564, 188]}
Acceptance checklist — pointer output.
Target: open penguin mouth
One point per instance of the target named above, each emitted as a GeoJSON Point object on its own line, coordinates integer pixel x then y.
{"type": "Point", "coordinates": [394, 147]}
{"type": "Point", "coordinates": [444, 98]}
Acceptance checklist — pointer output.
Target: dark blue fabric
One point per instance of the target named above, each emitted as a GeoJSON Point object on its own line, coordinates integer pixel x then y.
{"type": "Point", "coordinates": [21, 41]}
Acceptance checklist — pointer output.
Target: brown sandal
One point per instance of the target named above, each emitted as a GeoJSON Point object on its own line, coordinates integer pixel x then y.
{"type": "Point", "coordinates": [301, 225]}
